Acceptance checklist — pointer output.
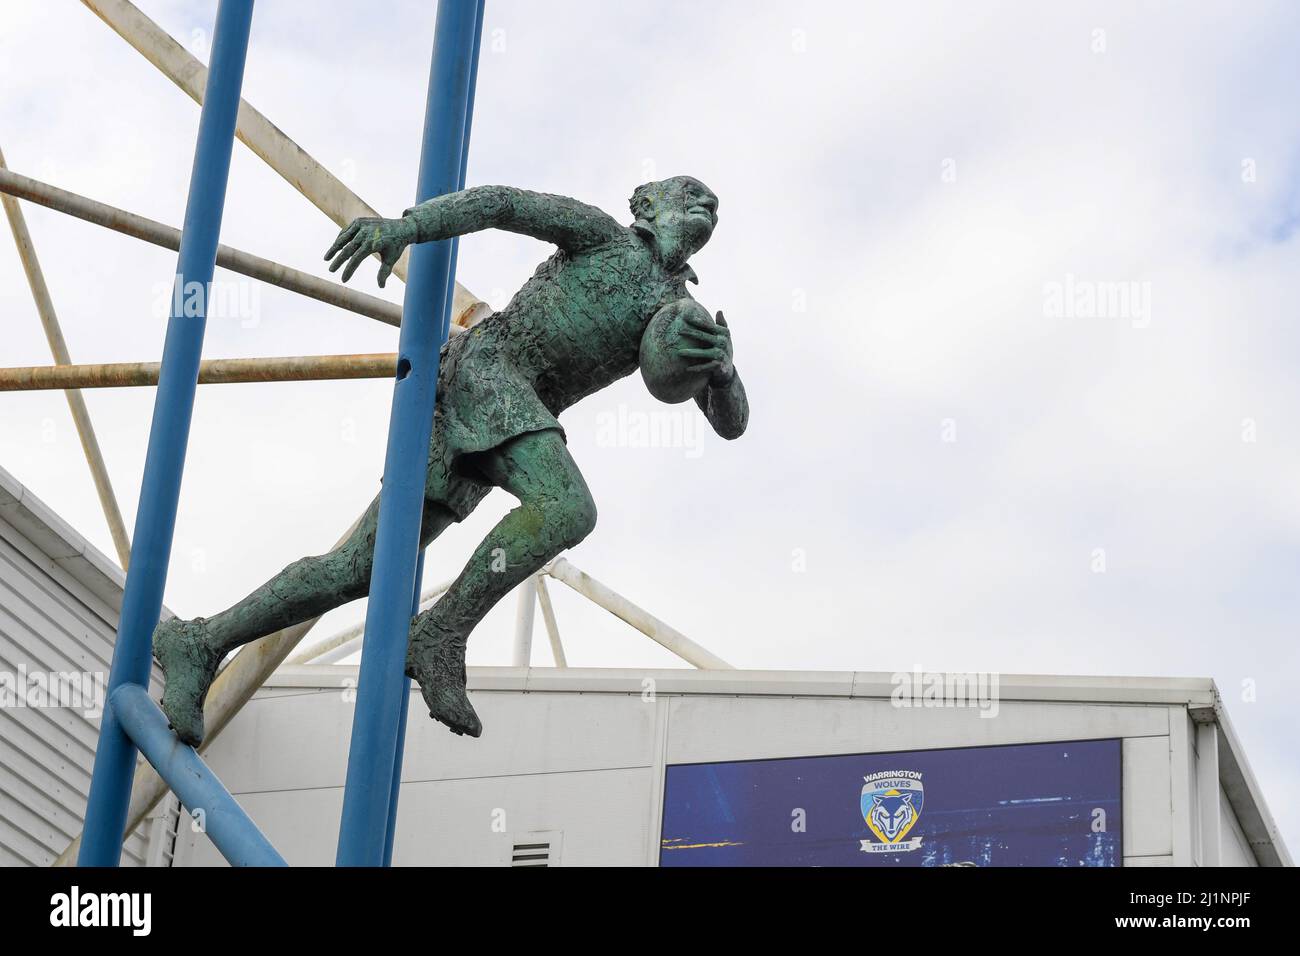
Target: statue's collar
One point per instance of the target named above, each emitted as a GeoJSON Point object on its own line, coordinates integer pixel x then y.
{"type": "Point", "coordinates": [645, 231]}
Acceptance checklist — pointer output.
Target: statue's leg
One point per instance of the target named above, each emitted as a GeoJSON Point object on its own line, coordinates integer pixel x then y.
{"type": "Point", "coordinates": [191, 651]}
{"type": "Point", "coordinates": [555, 512]}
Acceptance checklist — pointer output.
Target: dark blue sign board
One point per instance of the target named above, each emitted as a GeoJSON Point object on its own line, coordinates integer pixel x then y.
{"type": "Point", "coordinates": [1053, 804]}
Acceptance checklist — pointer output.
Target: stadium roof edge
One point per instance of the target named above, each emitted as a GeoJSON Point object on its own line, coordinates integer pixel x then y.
{"type": "Point", "coordinates": [1194, 692]}
{"type": "Point", "coordinates": [60, 542]}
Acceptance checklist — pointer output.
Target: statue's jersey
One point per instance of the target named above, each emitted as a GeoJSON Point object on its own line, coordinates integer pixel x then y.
{"type": "Point", "coordinates": [574, 328]}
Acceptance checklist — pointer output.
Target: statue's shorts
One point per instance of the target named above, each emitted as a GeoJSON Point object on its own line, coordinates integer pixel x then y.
{"type": "Point", "coordinates": [484, 400]}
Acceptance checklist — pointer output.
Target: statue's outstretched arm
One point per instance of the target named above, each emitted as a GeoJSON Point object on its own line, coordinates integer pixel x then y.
{"type": "Point", "coordinates": [566, 222]}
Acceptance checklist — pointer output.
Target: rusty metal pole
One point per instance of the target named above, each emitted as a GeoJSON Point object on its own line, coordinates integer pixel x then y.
{"type": "Point", "coordinates": [289, 368]}
{"type": "Point", "coordinates": [76, 404]}
{"type": "Point", "coordinates": [169, 237]}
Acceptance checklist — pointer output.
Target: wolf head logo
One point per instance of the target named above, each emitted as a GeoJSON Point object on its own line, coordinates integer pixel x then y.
{"type": "Point", "coordinates": [892, 814]}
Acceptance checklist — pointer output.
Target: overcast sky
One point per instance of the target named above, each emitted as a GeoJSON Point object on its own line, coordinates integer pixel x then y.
{"type": "Point", "coordinates": [953, 461]}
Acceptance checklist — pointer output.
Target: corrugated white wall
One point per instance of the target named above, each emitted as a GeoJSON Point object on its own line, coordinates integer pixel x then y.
{"type": "Point", "coordinates": [58, 613]}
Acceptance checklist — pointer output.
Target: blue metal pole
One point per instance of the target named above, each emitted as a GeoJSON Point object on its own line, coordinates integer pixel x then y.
{"type": "Point", "coordinates": [224, 821]}
{"type": "Point", "coordinates": [110, 785]}
{"type": "Point", "coordinates": [464, 155]}
{"type": "Point", "coordinates": [419, 567]}
{"type": "Point", "coordinates": [368, 789]}
{"type": "Point", "coordinates": [464, 152]}
{"type": "Point", "coordinates": [391, 832]}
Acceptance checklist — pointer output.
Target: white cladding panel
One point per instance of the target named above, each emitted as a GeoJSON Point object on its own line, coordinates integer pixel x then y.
{"type": "Point", "coordinates": [739, 728]}
{"type": "Point", "coordinates": [523, 734]}
{"type": "Point", "coordinates": [579, 764]}
{"type": "Point", "coordinates": [586, 768]}
{"type": "Point", "coordinates": [601, 815]}
{"type": "Point", "coordinates": [59, 603]}
{"type": "Point", "coordinates": [1148, 801]}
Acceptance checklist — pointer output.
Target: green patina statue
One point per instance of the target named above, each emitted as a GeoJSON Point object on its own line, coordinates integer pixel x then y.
{"type": "Point", "coordinates": [576, 326]}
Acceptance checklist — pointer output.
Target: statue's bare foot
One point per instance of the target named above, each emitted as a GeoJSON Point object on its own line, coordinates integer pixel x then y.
{"type": "Point", "coordinates": [436, 660]}
{"type": "Point", "coordinates": [189, 666]}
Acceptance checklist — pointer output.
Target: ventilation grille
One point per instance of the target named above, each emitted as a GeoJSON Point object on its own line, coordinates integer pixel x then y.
{"type": "Point", "coordinates": [173, 830]}
{"type": "Point", "coordinates": [531, 854]}
{"type": "Point", "coordinates": [164, 834]}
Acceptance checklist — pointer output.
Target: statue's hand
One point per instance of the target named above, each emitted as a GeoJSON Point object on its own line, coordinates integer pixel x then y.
{"type": "Point", "coordinates": [369, 235]}
{"type": "Point", "coordinates": [712, 346]}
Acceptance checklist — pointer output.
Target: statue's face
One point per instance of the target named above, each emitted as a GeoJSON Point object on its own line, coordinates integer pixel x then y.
{"type": "Point", "coordinates": [685, 213]}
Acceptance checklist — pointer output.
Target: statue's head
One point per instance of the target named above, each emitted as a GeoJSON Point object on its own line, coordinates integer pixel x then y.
{"type": "Point", "coordinates": [677, 214]}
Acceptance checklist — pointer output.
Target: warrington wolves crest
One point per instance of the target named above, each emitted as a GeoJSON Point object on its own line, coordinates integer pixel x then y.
{"type": "Point", "coordinates": [892, 801]}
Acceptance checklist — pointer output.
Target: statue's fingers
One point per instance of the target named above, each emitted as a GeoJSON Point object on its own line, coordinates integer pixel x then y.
{"type": "Point", "coordinates": [344, 236]}
{"type": "Point", "coordinates": [699, 321]}
{"type": "Point", "coordinates": [704, 367]}
{"type": "Point", "coordinates": [341, 259]}
{"type": "Point", "coordinates": [700, 335]}
{"type": "Point", "coordinates": [346, 253]}
{"type": "Point", "coordinates": [702, 326]}
{"type": "Point", "coordinates": [385, 270]}
{"type": "Point", "coordinates": [699, 353]}
{"type": "Point", "coordinates": [358, 257]}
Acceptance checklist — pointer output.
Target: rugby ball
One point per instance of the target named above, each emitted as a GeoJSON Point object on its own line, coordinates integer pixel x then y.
{"type": "Point", "coordinates": [666, 374]}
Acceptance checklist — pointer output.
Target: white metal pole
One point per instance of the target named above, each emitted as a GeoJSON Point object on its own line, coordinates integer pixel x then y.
{"type": "Point", "coordinates": [523, 654]}
{"type": "Point", "coordinates": [548, 616]}
{"type": "Point", "coordinates": [642, 620]}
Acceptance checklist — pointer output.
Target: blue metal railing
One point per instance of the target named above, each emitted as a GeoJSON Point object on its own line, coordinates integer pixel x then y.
{"type": "Point", "coordinates": [382, 685]}
{"type": "Point", "coordinates": [224, 821]}
{"type": "Point", "coordinates": [391, 833]}
{"type": "Point", "coordinates": [419, 568]}
{"type": "Point", "coordinates": [155, 523]}
{"type": "Point", "coordinates": [131, 720]}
